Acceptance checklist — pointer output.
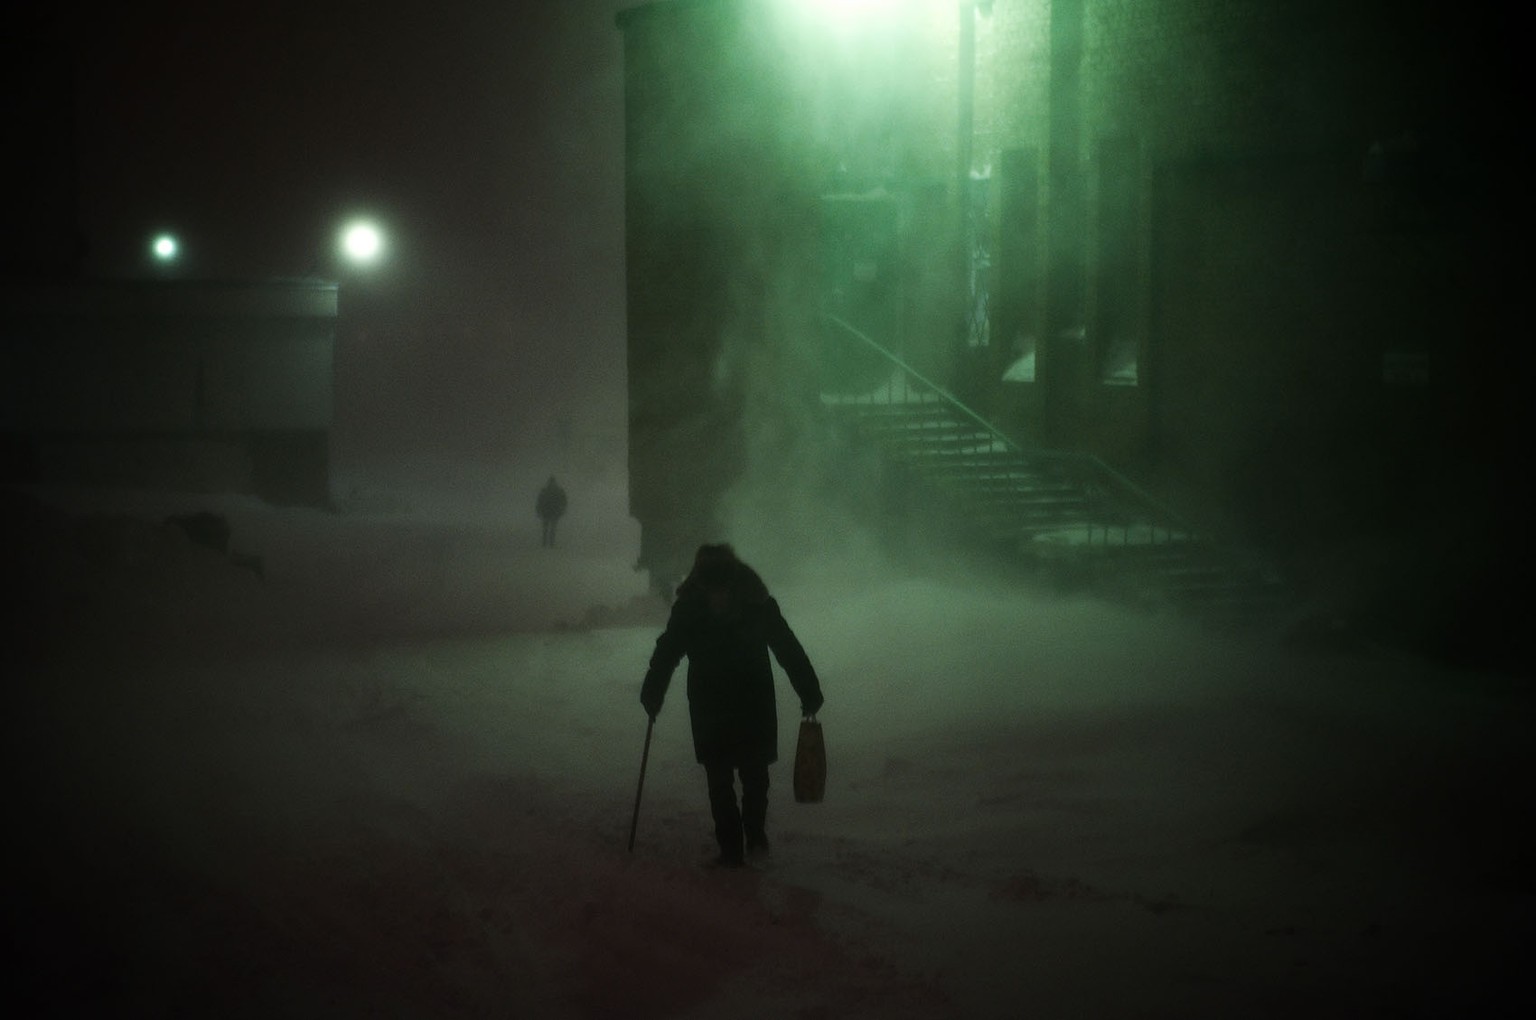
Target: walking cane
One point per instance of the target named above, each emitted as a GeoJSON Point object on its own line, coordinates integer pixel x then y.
{"type": "Point", "coordinates": [635, 821]}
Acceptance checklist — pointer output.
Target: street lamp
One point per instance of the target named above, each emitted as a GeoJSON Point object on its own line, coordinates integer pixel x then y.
{"type": "Point", "coordinates": [164, 249]}
{"type": "Point", "coordinates": [361, 242]}
{"type": "Point", "coordinates": [358, 244]}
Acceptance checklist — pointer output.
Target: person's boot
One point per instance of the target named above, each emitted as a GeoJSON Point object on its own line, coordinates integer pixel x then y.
{"type": "Point", "coordinates": [727, 818]}
{"type": "Point", "coordinates": [756, 833]}
{"type": "Point", "coordinates": [729, 838]}
{"type": "Point", "coordinates": [754, 810]}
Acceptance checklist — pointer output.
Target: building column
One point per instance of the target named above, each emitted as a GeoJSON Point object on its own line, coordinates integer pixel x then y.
{"type": "Point", "coordinates": [1065, 365]}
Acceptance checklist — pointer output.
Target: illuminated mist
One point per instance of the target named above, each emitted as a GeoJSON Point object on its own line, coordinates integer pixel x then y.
{"type": "Point", "coordinates": [379, 758]}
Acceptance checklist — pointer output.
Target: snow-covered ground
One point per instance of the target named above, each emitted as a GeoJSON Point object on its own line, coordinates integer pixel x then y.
{"type": "Point", "coordinates": [394, 776]}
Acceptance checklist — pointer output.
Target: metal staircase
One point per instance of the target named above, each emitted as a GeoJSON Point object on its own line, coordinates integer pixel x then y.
{"type": "Point", "coordinates": [1066, 516]}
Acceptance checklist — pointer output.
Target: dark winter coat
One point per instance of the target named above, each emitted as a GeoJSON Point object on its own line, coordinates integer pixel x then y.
{"type": "Point", "coordinates": [550, 505]}
{"type": "Point", "coordinates": [727, 637]}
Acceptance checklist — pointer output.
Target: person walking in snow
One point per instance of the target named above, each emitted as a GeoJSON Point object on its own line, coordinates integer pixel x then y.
{"type": "Point", "coordinates": [550, 508]}
{"type": "Point", "coordinates": [726, 623]}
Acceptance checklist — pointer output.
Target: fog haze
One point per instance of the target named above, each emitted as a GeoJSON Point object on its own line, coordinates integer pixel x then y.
{"type": "Point", "coordinates": [380, 757]}
{"type": "Point", "coordinates": [396, 774]}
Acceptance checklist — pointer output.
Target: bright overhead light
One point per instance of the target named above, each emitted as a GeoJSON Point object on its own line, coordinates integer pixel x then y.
{"type": "Point", "coordinates": [362, 242]}
{"type": "Point", "coordinates": [164, 248]}
{"type": "Point", "coordinates": [845, 14]}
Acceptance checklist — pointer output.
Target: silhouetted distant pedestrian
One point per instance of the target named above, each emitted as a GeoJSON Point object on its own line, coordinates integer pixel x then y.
{"type": "Point", "coordinates": [550, 508]}
{"type": "Point", "coordinates": [726, 623]}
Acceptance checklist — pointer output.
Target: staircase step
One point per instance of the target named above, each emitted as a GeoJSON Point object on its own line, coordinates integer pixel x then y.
{"type": "Point", "coordinates": [1008, 477]}
{"type": "Point", "coordinates": [1063, 505]}
{"type": "Point", "coordinates": [880, 421]}
{"type": "Point", "coordinates": [934, 448]}
{"type": "Point", "coordinates": [1053, 507]}
{"type": "Point", "coordinates": [937, 432]}
{"type": "Point", "coordinates": [920, 405]}
{"type": "Point", "coordinates": [970, 463]}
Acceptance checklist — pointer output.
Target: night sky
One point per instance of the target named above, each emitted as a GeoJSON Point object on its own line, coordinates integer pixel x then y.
{"type": "Point", "coordinates": [484, 135]}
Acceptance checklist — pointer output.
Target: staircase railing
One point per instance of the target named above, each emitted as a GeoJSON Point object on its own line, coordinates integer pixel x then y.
{"type": "Point", "coordinates": [1094, 474]}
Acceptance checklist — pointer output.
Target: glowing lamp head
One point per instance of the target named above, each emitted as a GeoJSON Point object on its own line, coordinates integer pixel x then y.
{"type": "Point", "coordinates": [361, 242]}
{"type": "Point", "coordinates": [164, 248]}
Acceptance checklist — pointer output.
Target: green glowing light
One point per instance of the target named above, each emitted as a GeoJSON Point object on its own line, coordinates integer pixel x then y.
{"type": "Point", "coordinates": [362, 242]}
{"type": "Point", "coordinates": [165, 248]}
{"type": "Point", "coordinates": [844, 12]}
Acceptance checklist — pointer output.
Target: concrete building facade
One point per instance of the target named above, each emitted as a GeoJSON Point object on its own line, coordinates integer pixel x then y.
{"type": "Point", "coordinates": [1247, 251]}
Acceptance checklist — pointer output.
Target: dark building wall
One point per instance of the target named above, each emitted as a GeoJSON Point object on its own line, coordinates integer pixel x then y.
{"type": "Point", "coordinates": [694, 145]}
{"type": "Point", "coordinates": [1290, 274]}
{"type": "Point", "coordinates": [1277, 208]}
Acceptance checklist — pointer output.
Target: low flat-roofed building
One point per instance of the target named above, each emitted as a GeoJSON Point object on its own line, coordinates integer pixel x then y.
{"type": "Point", "coordinates": [190, 386]}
